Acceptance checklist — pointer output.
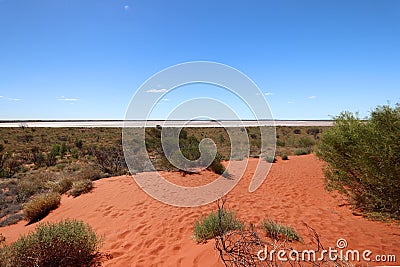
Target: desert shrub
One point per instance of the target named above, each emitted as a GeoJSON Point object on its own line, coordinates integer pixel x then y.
{"type": "Point", "coordinates": [9, 164]}
{"type": "Point", "coordinates": [63, 185]}
{"type": "Point", "coordinates": [79, 144]}
{"type": "Point", "coordinates": [297, 131]}
{"type": "Point", "coordinates": [216, 166]}
{"type": "Point", "coordinates": [37, 157]}
{"type": "Point", "coordinates": [280, 143]}
{"type": "Point", "coordinates": [285, 157]}
{"type": "Point", "coordinates": [314, 132]}
{"type": "Point", "coordinates": [270, 158]}
{"type": "Point", "coordinates": [110, 160]}
{"type": "Point", "coordinates": [55, 150]}
{"type": "Point", "coordinates": [41, 205]}
{"type": "Point", "coordinates": [301, 151]}
{"type": "Point", "coordinates": [305, 141]}
{"type": "Point", "coordinates": [81, 187]}
{"type": "Point", "coordinates": [278, 231]}
{"type": "Point", "coordinates": [63, 149]}
{"type": "Point", "coordinates": [364, 159]}
{"type": "Point", "coordinates": [66, 243]}
{"type": "Point", "coordinates": [2, 239]}
{"type": "Point", "coordinates": [90, 172]}
{"type": "Point", "coordinates": [75, 153]}
{"type": "Point", "coordinates": [11, 219]}
{"type": "Point", "coordinates": [215, 224]}
{"type": "Point", "coordinates": [31, 185]}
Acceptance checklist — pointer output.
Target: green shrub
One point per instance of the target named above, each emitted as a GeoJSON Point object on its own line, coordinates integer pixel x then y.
{"type": "Point", "coordinates": [278, 231]}
{"type": "Point", "coordinates": [81, 187]}
{"type": "Point", "coordinates": [305, 141]}
{"type": "Point", "coordinates": [67, 243]}
{"type": "Point", "coordinates": [63, 150]}
{"type": "Point", "coordinates": [270, 159]}
{"type": "Point", "coordinates": [41, 205]}
{"type": "Point", "coordinates": [216, 166]}
{"type": "Point", "coordinates": [75, 153]}
{"type": "Point", "coordinates": [208, 227]}
{"type": "Point", "coordinates": [364, 159]}
{"type": "Point", "coordinates": [301, 151]}
{"type": "Point", "coordinates": [285, 157]}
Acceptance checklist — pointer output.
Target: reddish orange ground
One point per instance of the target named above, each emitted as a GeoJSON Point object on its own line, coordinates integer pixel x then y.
{"type": "Point", "coordinates": [140, 231]}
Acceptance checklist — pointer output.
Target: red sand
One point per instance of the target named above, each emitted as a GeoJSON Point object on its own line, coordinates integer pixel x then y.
{"type": "Point", "coordinates": [140, 231]}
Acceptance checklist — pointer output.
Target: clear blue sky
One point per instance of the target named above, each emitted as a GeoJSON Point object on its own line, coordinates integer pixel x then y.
{"type": "Point", "coordinates": [70, 59]}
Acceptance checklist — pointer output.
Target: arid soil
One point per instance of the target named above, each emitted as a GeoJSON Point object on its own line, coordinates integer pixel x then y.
{"type": "Point", "coordinates": [140, 231]}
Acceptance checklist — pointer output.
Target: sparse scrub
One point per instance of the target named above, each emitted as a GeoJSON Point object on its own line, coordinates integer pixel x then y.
{"type": "Point", "coordinates": [80, 187]}
{"type": "Point", "coordinates": [111, 160]}
{"type": "Point", "coordinates": [66, 243]}
{"type": "Point", "coordinates": [215, 224]}
{"type": "Point", "coordinates": [41, 205]}
{"type": "Point", "coordinates": [285, 157]}
{"type": "Point", "coordinates": [363, 159]}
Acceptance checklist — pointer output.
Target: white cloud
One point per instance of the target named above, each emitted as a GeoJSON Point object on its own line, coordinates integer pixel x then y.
{"type": "Point", "coordinates": [157, 91]}
{"type": "Point", "coordinates": [312, 97]}
{"type": "Point", "coordinates": [1, 96]}
{"type": "Point", "coordinates": [63, 98]}
{"type": "Point", "coordinates": [126, 7]}
{"type": "Point", "coordinates": [165, 99]}
{"type": "Point", "coordinates": [268, 93]}
{"type": "Point", "coordinates": [290, 102]}
{"type": "Point", "coordinates": [13, 99]}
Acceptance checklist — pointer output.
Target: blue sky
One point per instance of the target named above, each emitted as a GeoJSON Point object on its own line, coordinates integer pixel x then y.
{"type": "Point", "coordinates": [69, 59]}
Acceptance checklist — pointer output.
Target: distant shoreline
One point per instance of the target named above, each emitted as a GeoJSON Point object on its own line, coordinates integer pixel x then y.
{"type": "Point", "coordinates": [154, 123]}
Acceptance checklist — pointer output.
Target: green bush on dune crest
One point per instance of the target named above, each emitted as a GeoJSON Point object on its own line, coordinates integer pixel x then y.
{"type": "Point", "coordinates": [363, 159]}
{"type": "Point", "coordinates": [67, 243]}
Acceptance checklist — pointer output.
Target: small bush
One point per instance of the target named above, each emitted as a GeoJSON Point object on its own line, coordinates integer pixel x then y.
{"type": "Point", "coordinates": [216, 166]}
{"type": "Point", "coordinates": [305, 141]}
{"type": "Point", "coordinates": [208, 227]}
{"type": "Point", "coordinates": [278, 231]}
{"type": "Point", "coordinates": [79, 144]}
{"type": "Point", "coordinates": [67, 243]}
{"type": "Point", "coordinates": [75, 153]}
{"type": "Point", "coordinates": [91, 173]}
{"type": "Point", "coordinates": [63, 185]}
{"type": "Point", "coordinates": [270, 159]}
{"type": "Point", "coordinates": [39, 206]}
{"type": "Point", "coordinates": [301, 151]}
{"type": "Point", "coordinates": [285, 157]}
{"type": "Point", "coordinates": [81, 187]}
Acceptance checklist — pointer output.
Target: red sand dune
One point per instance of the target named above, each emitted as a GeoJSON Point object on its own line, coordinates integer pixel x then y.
{"type": "Point", "coordinates": [140, 231]}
